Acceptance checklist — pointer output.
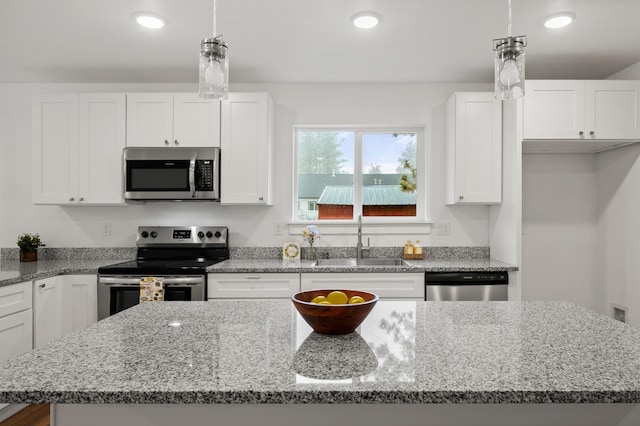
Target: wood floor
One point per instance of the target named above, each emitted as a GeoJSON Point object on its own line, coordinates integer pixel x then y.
{"type": "Point", "coordinates": [33, 415]}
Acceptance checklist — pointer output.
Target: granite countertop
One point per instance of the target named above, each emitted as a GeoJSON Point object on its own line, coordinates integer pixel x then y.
{"type": "Point", "coordinates": [257, 352]}
{"type": "Point", "coordinates": [14, 271]}
{"type": "Point", "coordinates": [426, 265]}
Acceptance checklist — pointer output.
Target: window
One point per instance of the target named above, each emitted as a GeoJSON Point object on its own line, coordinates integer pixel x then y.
{"type": "Point", "coordinates": [342, 173]}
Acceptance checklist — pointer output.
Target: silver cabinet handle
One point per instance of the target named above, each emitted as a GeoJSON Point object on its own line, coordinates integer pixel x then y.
{"type": "Point", "coordinates": [592, 133]}
{"type": "Point", "coordinates": [461, 197]}
{"type": "Point", "coordinates": [81, 198]}
{"type": "Point", "coordinates": [166, 142]}
{"type": "Point", "coordinates": [581, 133]}
{"type": "Point", "coordinates": [71, 199]}
{"type": "Point", "coordinates": [260, 198]}
{"type": "Point", "coordinates": [176, 142]}
{"type": "Point", "coordinates": [43, 285]}
{"type": "Point", "coordinates": [253, 277]}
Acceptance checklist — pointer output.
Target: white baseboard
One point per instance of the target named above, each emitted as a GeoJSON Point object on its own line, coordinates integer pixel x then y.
{"type": "Point", "coordinates": [8, 410]}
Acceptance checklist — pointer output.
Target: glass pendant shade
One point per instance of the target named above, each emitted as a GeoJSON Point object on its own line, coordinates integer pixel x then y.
{"type": "Point", "coordinates": [509, 67]}
{"type": "Point", "coordinates": [213, 69]}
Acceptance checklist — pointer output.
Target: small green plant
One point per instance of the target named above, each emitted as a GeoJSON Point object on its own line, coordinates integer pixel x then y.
{"type": "Point", "coordinates": [29, 242]}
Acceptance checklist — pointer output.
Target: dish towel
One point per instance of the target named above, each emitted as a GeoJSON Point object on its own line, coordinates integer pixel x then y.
{"type": "Point", "coordinates": [151, 289]}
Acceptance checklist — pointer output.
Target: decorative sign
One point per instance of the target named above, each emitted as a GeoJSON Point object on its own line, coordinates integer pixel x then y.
{"type": "Point", "coordinates": [291, 250]}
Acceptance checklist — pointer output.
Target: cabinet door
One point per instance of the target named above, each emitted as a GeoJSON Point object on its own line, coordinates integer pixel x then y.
{"type": "Point", "coordinates": [253, 286]}
{"type": "Point", "coordinates": [246, 149]}
{"type": "Point", "coordinates": [16, 334]}
{"type": "Point", "coordinates": [101, 141]}
{"type": "Point", "coordinates": [196, 121]}
{"type": "Point", "coordinates": [55, 149]}
{"type": "Point", "coordinates": [150, 119]}
{"type": "Point", "coordinates": [47, 307]}
{"type": "Point", "coordinates": [612, 109]}
{"type": "Point", "coordinates": [554, 109]}
{"type": "Point", "coordinates": [474, 149]}
{"type": "Point", "coordinates": [80, 302]}
{"type": "Point", "coordinates": [385, 285]}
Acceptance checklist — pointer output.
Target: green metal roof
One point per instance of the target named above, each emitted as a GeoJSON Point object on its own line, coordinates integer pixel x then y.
{"type": "Point", "coordinates": [374, 195]}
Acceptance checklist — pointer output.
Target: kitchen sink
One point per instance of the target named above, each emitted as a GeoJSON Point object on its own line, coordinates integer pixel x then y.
{"type": "Point", "coordinates": [360, 262]}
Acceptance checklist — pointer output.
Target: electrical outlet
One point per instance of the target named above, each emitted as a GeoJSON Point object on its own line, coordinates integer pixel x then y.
{"type": "Point", "coordinates": [106, 229]}
{"type": "Point", "coordinates": [619, 313]}
{"type": "Point", "coordinates": [442, 228]}
{"type": "Point", "coordinates": [277, 228]}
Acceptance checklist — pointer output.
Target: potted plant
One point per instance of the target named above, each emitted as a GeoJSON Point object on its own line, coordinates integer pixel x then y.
{"type": "Point", "coordinates": [29, 244]}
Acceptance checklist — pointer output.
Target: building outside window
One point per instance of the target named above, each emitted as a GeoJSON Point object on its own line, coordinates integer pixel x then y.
{"type": "Point", "coordinates": [342, 173]}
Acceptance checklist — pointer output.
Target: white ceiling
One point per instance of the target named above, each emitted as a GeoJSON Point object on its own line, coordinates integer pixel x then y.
{"type": "Point", "coordinates": [310, 40]}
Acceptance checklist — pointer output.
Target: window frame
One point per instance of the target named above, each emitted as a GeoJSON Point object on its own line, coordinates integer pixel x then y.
{"type": "Point", "coordinates": [358, 130]}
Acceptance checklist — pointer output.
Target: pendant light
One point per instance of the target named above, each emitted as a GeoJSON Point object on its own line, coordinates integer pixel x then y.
{"type": "Point", "coordinates": [214, 65]}
{"type": "Point", "coordinates": [509, 64]}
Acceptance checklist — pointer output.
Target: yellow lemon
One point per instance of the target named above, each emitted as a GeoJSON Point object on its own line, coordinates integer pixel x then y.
{"type": "Point", "coordinates": [318, 299]}
{"type": "Point", "coordinates": [324, 302]}
{"type": "Point", "coordinates": [337, 298]}
{"type": "Point", "coordinates": [356, 299]}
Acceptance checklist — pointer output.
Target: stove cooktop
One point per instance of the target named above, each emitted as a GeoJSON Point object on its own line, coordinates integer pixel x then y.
{"type": "Point", "coordinates": [159, 267]}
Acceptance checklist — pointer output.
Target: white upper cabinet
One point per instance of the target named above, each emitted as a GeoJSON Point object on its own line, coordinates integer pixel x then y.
{"type": "Point", "coordinates": [172, 120]}
{"type": "Point", "coordinates": [246, 149]}
{"type": "Point", "coordinates": [77, 148]}
{"type": "Point", "coordinates": [474, 149]}
{"type": "Point", "coordinates": [578, 109]}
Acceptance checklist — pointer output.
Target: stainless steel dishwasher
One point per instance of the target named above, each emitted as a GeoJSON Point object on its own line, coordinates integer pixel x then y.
{"type": "Point", "coordinates": [466, 286]}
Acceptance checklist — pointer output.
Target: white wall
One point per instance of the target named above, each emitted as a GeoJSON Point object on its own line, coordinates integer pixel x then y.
{"type": "Point", "coordinates": [618, 231]}
{"type": "Point", "coordinates": [559, 228]}
{"type": "Point", "coordinates": [632, 72]}
{"type": "Point", "coordinates": [397, 104]}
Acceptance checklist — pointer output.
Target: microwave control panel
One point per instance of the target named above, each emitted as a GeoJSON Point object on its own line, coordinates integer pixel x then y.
{"type": "Point", "coordinates": [204, 175]}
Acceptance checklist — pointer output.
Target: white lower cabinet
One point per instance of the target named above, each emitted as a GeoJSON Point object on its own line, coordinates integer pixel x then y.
{"type": "Point", "coordinates": [387, 285]}
{"type": "Point", "coordinates": [63, 304]}
{"type": "Point", "coordinates": [16, 320]}
{"type": "Point", "coordinates": [16, 327]}
{"type": "Point", "coordinates": [253, 286]}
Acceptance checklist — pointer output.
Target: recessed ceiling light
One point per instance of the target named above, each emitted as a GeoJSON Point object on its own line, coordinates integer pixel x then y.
{"type": "Point", "coordinates": [365, 20]}
{"type": "Point", "coordinates": [559, 20]}
{"type": "Point", "coordinates": [149, 20]}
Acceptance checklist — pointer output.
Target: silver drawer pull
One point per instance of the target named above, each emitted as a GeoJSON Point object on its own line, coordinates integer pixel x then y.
{"type": "Point", "coordinates": [253, 277]}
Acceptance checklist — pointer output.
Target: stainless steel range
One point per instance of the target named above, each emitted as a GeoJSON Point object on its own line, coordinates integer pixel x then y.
{"type": "Point", "coordinates": [180, 255]}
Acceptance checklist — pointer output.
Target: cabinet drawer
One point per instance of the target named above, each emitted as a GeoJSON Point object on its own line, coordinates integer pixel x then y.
{"type": "Point", "coordinates": [15, 298]}
{"type": "Point", "coordinates": [16, 334]}
{"type": "Point", "coordinates": [385, 285]}
{"type": "Point", "coordinates": [252, 286]}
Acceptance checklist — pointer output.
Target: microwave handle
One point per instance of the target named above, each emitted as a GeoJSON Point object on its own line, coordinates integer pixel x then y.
{"type": "Point", "coordinates": [192, 177]}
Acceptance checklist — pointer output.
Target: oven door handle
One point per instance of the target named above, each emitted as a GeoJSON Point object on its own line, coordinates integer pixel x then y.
{"type": "Point", "coordinates": [136, 281]}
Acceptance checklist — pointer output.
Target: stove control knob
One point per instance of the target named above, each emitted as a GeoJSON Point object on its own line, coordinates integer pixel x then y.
{"type": "Point", "coordinates": [209, 234]}
{"type": "Point", "coordinates": [218, 234]}
{"type": "Point", "coordinates": [154, 234]}
{"type": "Point", "coordinates": [144, 234]}
{"type": "Point", "coordinates": [200, 234]}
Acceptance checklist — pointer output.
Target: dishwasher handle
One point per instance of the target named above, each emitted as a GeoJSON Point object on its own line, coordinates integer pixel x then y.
{"type": "Point", "coordinates": [466, 278]}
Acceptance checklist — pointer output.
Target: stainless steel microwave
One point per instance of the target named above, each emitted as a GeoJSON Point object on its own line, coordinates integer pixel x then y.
{"type": "Point", "coordinates": [176, 174]}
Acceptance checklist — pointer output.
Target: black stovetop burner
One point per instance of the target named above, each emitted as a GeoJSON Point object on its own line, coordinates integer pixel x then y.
{"type": "Point", "coordinates": [174, 251]}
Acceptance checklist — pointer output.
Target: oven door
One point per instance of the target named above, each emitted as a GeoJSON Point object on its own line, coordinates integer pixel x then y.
{"type": "Point", "coordinates": [117, 293]}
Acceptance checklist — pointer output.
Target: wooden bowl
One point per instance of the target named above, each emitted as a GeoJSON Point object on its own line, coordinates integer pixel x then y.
{"type": "Point", "coordinates": [333, 319]}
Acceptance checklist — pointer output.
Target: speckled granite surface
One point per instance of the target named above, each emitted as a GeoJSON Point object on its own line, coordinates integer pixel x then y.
{"type": "Point", "coordinates": [258, 352]}
{"type": "Point", "coordinates": [428, 265]}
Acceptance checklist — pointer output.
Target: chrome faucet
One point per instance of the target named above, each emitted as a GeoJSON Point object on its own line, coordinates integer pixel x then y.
{"type": "Point", "coordinates": [359, 247]}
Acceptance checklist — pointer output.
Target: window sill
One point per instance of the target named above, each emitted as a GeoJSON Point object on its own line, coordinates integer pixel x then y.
{"type": "Point", "coordinates": [372, 228]}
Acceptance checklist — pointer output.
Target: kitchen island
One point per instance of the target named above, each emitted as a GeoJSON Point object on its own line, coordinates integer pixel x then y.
{"type": "Point", "coordinates": [258, 362]}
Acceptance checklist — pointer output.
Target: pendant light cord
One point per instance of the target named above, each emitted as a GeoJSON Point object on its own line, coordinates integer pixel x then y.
{"type": "Point", "coordinates": [214, 18]}
{"type": "Point", "coordinates": [509, 22]}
